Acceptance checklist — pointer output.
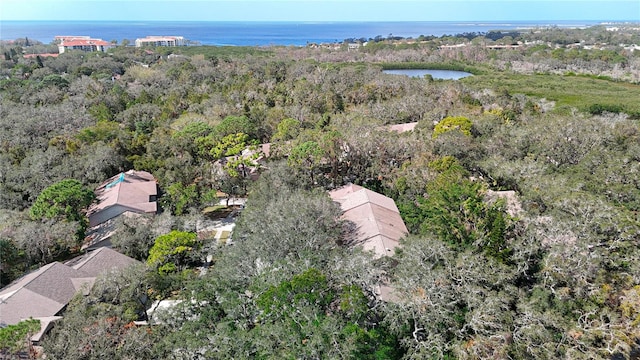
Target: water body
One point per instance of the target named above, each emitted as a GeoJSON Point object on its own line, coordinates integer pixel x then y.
{"type": "Point", "coordinates": [436, 74]}
{"type": "Point", "coordinates": [259, 33]}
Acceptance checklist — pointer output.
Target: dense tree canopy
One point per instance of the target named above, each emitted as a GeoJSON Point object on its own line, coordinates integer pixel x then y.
{"type": "Point", "coordinates": [518, 185]}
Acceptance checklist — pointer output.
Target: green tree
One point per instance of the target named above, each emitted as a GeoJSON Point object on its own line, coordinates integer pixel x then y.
{"type": "Point", "coordinates": [179, 198]}
{"type": "Point", "coordinates": [287, 129]}
{"type": "Point", "coordinates": [65, 199]}
{"type": "Point", "coordinates": [454, 209]}
{"type": "Point", "coordinates": [237, 124]}
{"type": "Point", "coordinates": [104, 131]}
{"type": "Point", "coordinates": [191, 136]}
{"type": "Point", "coordinates": [15, 339]}
{"type": "Point", "coordinates": [173, 252]}
{"type": "Point", "coordinates": [230, 145]}
{"type": "Point", "coordinates": [306, 157]}
{"type": "Point", "coordinates": [308, 288]}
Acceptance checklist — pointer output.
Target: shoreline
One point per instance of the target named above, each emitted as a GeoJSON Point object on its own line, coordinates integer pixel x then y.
{"type": "Point", "coordinates": [235, 33]}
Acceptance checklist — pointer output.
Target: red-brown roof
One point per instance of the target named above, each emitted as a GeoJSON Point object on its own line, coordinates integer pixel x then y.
{"type": "Point", "coordinates": [85, 42]}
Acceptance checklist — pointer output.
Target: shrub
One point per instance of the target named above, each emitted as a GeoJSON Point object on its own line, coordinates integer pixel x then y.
{"type": "Point", "coordinates": [451, 123]}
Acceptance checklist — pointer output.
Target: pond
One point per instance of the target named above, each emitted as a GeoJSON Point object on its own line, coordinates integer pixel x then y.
{"type": "Point", "coordinates": [436, 74]}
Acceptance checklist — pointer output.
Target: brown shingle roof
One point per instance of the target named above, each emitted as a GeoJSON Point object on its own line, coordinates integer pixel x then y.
{"type": "Point", "coordinates": [376, 217]}
{"type": "Point", "coordinates": [43, 292]}
{"type": "Point", "coordinates": [46, 291]}
{"type": "Point", "coordinates": [100, 260]}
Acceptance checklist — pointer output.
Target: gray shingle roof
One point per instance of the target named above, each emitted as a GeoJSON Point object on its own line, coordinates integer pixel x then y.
{"type": "Point", "coordinates": [48, 290]}
{"type": "Point", "coordinates": [100, 260]}
{"type": "Point", "coordinates": [43, 292]}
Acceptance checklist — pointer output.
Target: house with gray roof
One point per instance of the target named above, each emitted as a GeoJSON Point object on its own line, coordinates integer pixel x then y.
{"type": "Point", "coordinates": [44, 294]}
{"type": "Point", "coordinates": [100, 261]}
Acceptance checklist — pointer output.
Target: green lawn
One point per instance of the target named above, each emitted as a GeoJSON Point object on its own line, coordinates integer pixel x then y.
{"type": "Point", "coordinates": [567, 91]}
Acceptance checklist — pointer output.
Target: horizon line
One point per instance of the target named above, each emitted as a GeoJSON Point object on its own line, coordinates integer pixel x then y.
{"type": "Point", "coordinates": [335, 21]}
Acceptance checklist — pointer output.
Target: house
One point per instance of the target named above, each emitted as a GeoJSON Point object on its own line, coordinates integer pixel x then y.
{"type": "Point", "coordinates": [45, 293]}
{"type": "Point", "coordinates": [377, 221]}
{"type": "Point", "coordinates": [60, 38]}
{"type": "Point", "coordinates": [161, 41]}
{"type": "Point", "coordinates": [134, 191]}
{"type": "Point", "coordinates": [401, 128]}
{"type": "Point", "coordinates": [42, 293]}
{"type": "Point", "coordinates": [99, 261]}
{"type": "Point", "coordinates": [257, 157]}
{"type": "Point", "coordinates": [83, 43]}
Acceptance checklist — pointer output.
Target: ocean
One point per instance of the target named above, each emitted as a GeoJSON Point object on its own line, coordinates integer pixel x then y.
{"type": "Point", "coordinates": [259, 33]}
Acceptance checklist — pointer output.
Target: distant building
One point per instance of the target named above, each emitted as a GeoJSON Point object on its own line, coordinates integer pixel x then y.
{"type": "Point", "coordinates": [161, 41]}
{"type": "Point", "coordinates": [60, 38]}
{"type": "Point", "coordinates": [378, 224]}
{"type": "Point", "coordinates": [502, 47]}
{"type": "Point", "coordinates": [83, 43]}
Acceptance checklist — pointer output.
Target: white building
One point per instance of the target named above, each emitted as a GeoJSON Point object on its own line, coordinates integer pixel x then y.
{"type": "Point", "coordinates": [84, 43]}
{"type": "Point", "coordinates": [161, 41]}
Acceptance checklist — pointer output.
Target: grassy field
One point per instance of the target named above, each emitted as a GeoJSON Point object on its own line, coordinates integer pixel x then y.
{"type": "Point", "coordinates": [216, 51]}
{"type": "Point", "coordinates": [583, 93]}
{"type": "Point", "coordinates": [455, 66]}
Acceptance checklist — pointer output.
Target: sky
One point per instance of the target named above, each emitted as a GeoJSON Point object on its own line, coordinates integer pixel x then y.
{"type": "Point", "coordinates": [320, 10]}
